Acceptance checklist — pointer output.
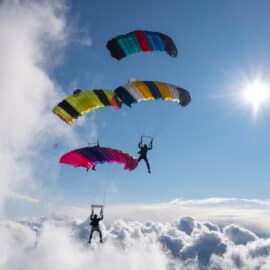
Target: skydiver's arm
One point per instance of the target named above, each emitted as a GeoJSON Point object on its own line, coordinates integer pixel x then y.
{"type": "Point", "coordinates": [92, 214]}
{"type": "Point", "coordinates": [101, 215]}
{"type": "Point", "coordinates": [150, 145]}
{"type": "Point", "coordinates": [140, 143]}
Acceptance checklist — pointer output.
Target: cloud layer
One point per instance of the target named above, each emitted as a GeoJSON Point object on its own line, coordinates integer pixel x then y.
{"type": "Point", "coordinates": [58, 242]}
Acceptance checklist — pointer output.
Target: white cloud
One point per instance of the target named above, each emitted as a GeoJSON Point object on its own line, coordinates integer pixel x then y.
{"type": "Point", "coordinates": [238, 235]}
{"type": "Point", "coordinates": [219, 201]}
{"type": "Point", "coordinates": [86, 40]}
{"type": "Point", "coordinates": [58, 242]}
{"type": "Point", "coordinates": [17, 196]}
{"type": "Point", "coordinates": [56, 246]}
{"type": "Point", "coordinates": [31, 35]}
{"type": "Point", "coordinates": [81, 36]}
{"type": "Point", "coordinates": [253, 216]}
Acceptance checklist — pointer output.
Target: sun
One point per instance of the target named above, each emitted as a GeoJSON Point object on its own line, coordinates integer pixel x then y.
{"type": "Point", "coordinates": [255, 94]}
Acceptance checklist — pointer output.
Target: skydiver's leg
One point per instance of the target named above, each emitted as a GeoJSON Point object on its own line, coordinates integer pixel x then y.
{"type": "Point", "coordinates": [100, 235]}
{"type": "Point", "coordinates": [90, 236]}
{"type": "Point", "coordinates": [147, 164]}
{"type": "Point", "coordinates": [140, 158]}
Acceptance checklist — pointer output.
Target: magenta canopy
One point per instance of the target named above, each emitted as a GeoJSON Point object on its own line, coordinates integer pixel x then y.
{"type": "Point", "coordinates": [88, 157]}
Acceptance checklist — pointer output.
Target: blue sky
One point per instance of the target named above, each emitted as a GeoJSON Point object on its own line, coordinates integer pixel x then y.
{"type": "Point", "coordinates": [208, 191]}
{"type": "Point", "coordinates": [213, 147]}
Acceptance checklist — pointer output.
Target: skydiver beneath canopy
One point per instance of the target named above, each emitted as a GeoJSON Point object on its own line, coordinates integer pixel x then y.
{"type": "Point", "coordinates": [94, 223]}
{"type": "Point", "coordinates": [93, 168]}
{"type": "Point", "coordinates": [143, 149]}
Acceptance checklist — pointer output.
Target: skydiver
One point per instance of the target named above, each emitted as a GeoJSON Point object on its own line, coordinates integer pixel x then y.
{"type": "Point", "coordinates": [93, 168]}
{"type": "Point", "coordinates": [143, 152]}
{"type": "Point", "coordinates": [95, 224]}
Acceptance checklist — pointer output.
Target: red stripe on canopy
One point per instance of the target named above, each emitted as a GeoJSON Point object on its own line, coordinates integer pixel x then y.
{"type": "Point", "coordinates": [143, 41]}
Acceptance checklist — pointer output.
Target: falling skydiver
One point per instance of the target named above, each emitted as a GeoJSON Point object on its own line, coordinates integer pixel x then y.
{"type": "Point", "coordinates": [143, 149]}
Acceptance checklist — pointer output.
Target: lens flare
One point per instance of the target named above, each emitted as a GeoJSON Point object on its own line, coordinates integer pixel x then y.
{"type": "Point", "coordinates": [255, 94]}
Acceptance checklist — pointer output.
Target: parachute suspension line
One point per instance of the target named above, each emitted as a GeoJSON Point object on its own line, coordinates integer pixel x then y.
{"type": "Point", "coordinates": [157, 132]}
{"type": "Point", "coordinates": [109, 186]}
{"type": "Point", "coordinates": [97, 206]}
{"type": "Point", "coordinates": [148, 140]}
{"type": "Point", "coordinates": [94, 200]}
{"type": "Point", "coordinates": [104, 197]}
{"type": "Point", "coordinates": [107, 176]}
{"type": "Point", "coordinates": [99, 200]}
{"type": "Point", "coordinates": [152, 130]}
{"type": "Point", "coordinates": [138, 127]}
{"type": "Point", "coordinates": [96, 143]}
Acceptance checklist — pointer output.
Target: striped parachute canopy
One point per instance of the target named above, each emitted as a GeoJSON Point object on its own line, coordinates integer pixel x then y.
{"type": "Point", "coordinates": [140, 41]}
{"type": "Point", "coordinates": [137, 91]}
{"type": "Point", "coordinates": [88, 157]}
{"type": "Point", "coordinates": [82, 102]}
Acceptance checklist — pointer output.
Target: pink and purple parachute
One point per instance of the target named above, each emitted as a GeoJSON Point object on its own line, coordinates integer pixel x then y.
{"type": "Point", "coordinates": [88, 157]}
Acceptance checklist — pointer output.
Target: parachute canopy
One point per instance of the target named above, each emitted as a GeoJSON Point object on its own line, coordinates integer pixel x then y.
{"type": "Point", "coordinates": [82, 102]}
{"type": "Point", "coordinates": [137, 91]}
{"type": "Point", "coordinates": [140, 41]}
{"type": "Point", "coordinates": [88, 157]}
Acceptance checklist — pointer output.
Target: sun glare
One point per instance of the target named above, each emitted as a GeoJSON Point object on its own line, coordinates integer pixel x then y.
{"type": "Point", "coordinates": [256, 95]}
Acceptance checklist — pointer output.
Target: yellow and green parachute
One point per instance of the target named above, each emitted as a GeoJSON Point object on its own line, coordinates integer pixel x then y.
{"type": "Point", "coordinates": [82, 102]}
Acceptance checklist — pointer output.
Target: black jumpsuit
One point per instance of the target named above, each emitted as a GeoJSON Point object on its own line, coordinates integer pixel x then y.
{"type": "Point", "coordinates": [143, 154]}
{"type": "Point", "coordinates": [95, 226]}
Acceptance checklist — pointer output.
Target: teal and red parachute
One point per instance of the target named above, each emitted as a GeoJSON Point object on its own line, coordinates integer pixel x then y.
{"type": "Point", "coordinates": [88, 157]}
{"type": "Point", "coordinates": [140, 41]}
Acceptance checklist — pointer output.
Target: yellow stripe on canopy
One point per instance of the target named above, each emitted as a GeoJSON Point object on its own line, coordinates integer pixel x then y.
{"type": "Point", "coordinates": [143, 89]}
{"type": "Point", "coordinates": [84, 101]}
{"type": "Point", "coordinates": [63, 115]}
{"type": "Point", "coordinates": [164, 90]}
